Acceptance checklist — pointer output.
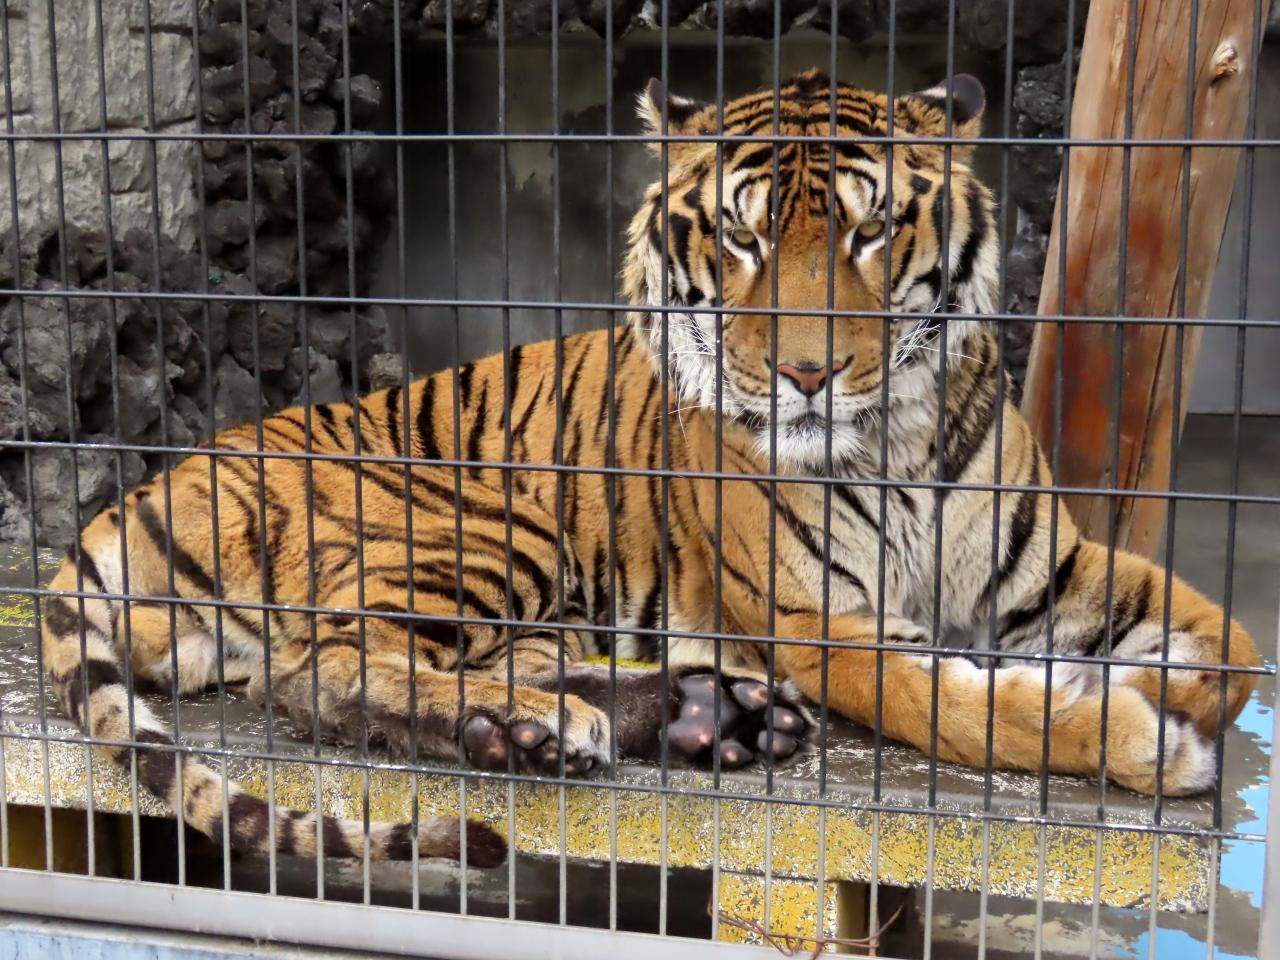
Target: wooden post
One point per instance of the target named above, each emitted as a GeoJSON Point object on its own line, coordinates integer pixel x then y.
{"type": "Point", "coordinates": [1225, 46]}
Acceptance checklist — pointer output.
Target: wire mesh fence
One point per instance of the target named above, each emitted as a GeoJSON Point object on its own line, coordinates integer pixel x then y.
{"type": "Point", "coordinates": [714, 472]}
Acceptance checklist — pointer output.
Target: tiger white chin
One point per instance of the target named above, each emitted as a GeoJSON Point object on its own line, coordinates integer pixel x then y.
{"type": "Point", "coordinates": [802, 443]}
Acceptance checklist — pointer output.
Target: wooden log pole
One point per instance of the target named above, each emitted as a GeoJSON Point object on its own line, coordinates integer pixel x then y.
{"type": "Point", "coordinates": [1151, 283]}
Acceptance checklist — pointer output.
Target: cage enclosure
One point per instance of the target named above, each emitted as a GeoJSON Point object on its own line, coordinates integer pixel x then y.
{"type": "Point", "coordinates": [815, 516]}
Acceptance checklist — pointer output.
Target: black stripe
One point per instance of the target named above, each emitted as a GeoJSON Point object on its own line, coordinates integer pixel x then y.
{"type": "Point", "coordinates": [250, 820]}
{"type": "Point", "coordinates": [61, 618]}
{"type": "Point", "coordinates": [1016, 620]}
{"type": "Point", "coordinates": [330, 424]}
{"type": "Point", "coordinates": [426, 425]}
{"type": "Point", "coordinates": [849, 497]}
{"type": "Point", "coordinates": [535, 402]}
{"type": "Point", "coordinates": [250, 521]}
{"type": "Point", "coordinates": [977, 234]}
{"type": "Point", "coordinates": [393, 419]}
{"type": "Point", "coordinates": [478, 429]}
{"type": "Point", "coordinates": [805, 535]}
{"type": "Point", "coordinates": [96, 673]}
{"type": "Point", "coordinates": [511, 379]}
{"type": "Point", "coordinates": [1021, 528]}
{"type": "Point", "coordinates": [973, 421]}
{"type": "Point", "coordinates": [648, 618]}
{"type": "Point", "coordinates": [398, 844]}
{"type": "Point", "coordinates": [464, 383]}
{"type": "Point", "coordinates": [185, 564]}
{"type": "Point", "coordinates": [155, 767]}
{"type": "Point", "coordinates": [87, 568]}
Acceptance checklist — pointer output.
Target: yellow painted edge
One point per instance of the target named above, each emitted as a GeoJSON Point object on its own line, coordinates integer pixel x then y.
{"type": "Point", "coordinates": [1013, 869]}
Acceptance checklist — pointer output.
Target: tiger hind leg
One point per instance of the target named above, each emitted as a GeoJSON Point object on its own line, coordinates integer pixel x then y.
{"type": "Point", "coordinates": [79, 644]}
{"type": "Point", "coordinates": [1196, 703]}
{"type": "Point", "coordinates": [1138, 745]}
{"type": "Point", "coordinates": [153, 629]}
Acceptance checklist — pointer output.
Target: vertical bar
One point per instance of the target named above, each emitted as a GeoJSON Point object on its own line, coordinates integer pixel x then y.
{"type": "Point", "coordinates": [1242, 310]}
{"type": "Point", "coordinates": [25, 393]}
{"type": "Point", "coordinates": [113, 360]}
{"type": "Point", "coordinates": [60, 199]}
{"type": "Point", "coordinates": [308, 476]}
{"type": "Point", "coordinates": [506, 351]}
{"type": "Point", "coordinates": [1269, 926]}
{"type": "Point", "coordinates": [1055, 457]}
{"type": "Point", "coordinates": [994, 607]}
{"type": "Point", "coordinates": [415, 814]}
{"type": "Point", "coordinates": [886, 351]}
{"type": "Point", "coordinates": [944, 308]}
{"type": "Point", "coordinates": [829, 413]}
{"type": "Point", "coordinates": [357, 461]}
{"type": "Point", "coordinates": [610, 458]}
{"type": "Point", "coordinates": [558, 450]}
{"type": "Point", "coordinates": [264, 564]}
{"type": "Point", "coordinates": [664, 426]}
{"type": "Point", "coordinates": [459, 637]}
{"type": "Point", "coordinates": [717, 585]}
{"type": "Point", "coordinates": [202, 243]}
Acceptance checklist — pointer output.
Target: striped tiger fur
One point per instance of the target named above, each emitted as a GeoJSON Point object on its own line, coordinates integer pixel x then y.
{"type": "Point", "coordinates": [535, 550]}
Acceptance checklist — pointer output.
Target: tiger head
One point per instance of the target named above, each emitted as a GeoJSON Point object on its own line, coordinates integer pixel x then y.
{"type": "Point", "coordinates": [832, 239]}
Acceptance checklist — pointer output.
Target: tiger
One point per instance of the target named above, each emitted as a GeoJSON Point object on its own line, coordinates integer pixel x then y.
{"type": "Point", "coordinates": [463, 567]}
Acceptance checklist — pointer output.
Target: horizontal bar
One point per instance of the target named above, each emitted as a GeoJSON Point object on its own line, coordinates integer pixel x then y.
{"type": "Point", "coordinates": [848, 804]}
{"type": "Point", "coordinates": [335, 925]}
{"type": "Point", "coordinates": [587, 305]}
{"type": "Point", "coordinates": [543, 625]}
{"type": "Point", "coordinates": [638, 138]}
{"type": "Point", "coordinates": [873, 482]}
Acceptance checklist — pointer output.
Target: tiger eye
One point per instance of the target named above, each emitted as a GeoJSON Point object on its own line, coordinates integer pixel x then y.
{"type": "Point", "coordinates": [743, 237]}
{"type": "Point", "coordinates": [870, 229]}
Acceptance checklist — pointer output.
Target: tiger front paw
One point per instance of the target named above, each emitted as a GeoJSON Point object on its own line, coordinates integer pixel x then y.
{"type": "Point", "coordinates": [750, 727]}
{"type": "Point", "coordinates": [531, 734]}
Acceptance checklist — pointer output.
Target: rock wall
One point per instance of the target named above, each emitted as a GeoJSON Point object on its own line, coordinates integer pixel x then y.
{"type": "Point", "coordinates": [212, 202]}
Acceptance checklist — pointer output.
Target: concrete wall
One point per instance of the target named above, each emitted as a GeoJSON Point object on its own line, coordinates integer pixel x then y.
{"type": "Point", "coordinates": [1214, 390]}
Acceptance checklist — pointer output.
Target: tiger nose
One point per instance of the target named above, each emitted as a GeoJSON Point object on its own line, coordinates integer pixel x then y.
{"type": "Point", "coordinates": [807, 375]}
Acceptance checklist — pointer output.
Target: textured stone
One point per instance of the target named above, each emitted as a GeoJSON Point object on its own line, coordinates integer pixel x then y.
{"type": "Point", "coordinates": [124, 57]}
{"type": "Point", "coordinates": [14, 522]}
{"type": "Point", "coordinates": [384, 370]}
{"type": "Point", "coordinates": [19, 69]}
{"type": "Point", "coordinates": [277, 263]}
{"type": "Point", "coordinates": [165, 14]}
{"type": "Point", "coordinates": [325, 383]}
{"type": "Point", "coordinates": [67, 493]}
{"type": "Point", "coordinates": [1039, 29]}
{"type": "Point", "coordinates": [223, 43]}
{"type": "Point", "coordinates": [234, 396]}
{"type": "Point", "coordinates": [856, 20]}
{"type": "Point", "coordinates": [232, 222]}
{"type": "Point", "coordinates": [83, 179]}
{"type": "Point", "coordinates": [44, 322]}
{"type": "Point", "coordinates": [365, 93]}
{"type": "Point", "coordinates": [140, 393]}
{"type": "Point", "coordinates": [236, 11]}
{"type": "Point", "coordinates": [465, 13]}
{"type": "Point", "coordinates": [754, 17]}
{"type": "Point", "coordinates": [224, 88]}
{"type": "Point", "coordinates": [274, 325]}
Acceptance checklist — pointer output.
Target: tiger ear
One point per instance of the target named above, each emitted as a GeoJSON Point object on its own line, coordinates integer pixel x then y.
{"type": "Point", "coordinates": [925, 112]}
{"type": "Point", "coordinates": [685, 117]}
